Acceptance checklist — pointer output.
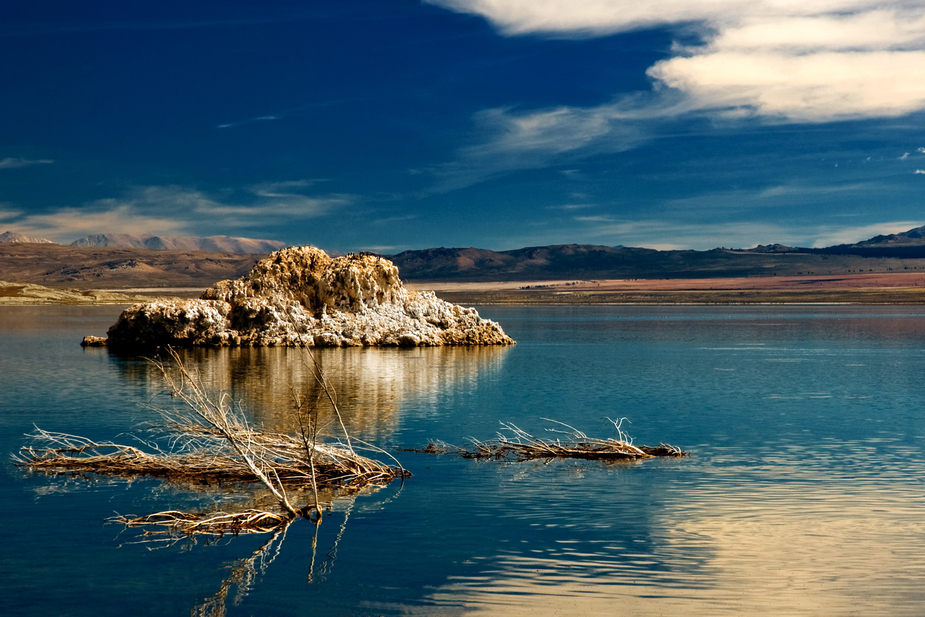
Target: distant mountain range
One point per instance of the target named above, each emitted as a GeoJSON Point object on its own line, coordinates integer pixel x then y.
{"type": "Point", "coordinates": [583, 261]}
{"type": "Point", "coordinates": [119, 260]}
{"type": "Point", "coordinates": [9, 236]}
{"type": "Point", "coordinates": [217, 244]}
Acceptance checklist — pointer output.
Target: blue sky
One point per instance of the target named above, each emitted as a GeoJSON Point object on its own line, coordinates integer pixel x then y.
{"type": "Point", "coordinates": [389, 124]}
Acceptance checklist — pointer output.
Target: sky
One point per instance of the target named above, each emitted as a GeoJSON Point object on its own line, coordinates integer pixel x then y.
{"type": "Point", "coordinates": [389, 125]}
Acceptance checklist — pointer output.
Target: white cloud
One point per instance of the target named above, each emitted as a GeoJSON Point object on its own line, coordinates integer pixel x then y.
{"type": "Point", "coordinates": [904, 156]}
{"type": "Point", "coordinates": [875, 29]}
{"type": "Point", "coordinates": [13, 163]}
{"type": "Point", "coordinates": [599, 17]}
{"type": "Point", "coordinates": [920, 171]}
{"type": "Point", "coordinates": [816, 87]}
{"type": "Point", "coordinates": [782, 60]}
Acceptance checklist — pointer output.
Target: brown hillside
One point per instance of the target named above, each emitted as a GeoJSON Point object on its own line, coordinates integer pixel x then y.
{"type": "Point", "coordinates": [54, 265]}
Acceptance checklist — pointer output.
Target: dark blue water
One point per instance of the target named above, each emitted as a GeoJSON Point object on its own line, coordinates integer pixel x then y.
{"type": "Point", "coordinates": [804, 495]}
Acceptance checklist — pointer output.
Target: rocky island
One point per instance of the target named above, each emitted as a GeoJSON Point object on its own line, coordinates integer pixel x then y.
{"type": "Point", "coordinates": [300, 296]}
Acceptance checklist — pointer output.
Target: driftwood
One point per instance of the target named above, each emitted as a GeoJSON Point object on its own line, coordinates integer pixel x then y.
{"type": "Point", "coordinates": [206, 459]}
{"type": "Point", "coordinates": [514, 442]}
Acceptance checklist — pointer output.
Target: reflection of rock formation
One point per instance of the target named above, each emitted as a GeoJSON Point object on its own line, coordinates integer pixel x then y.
{"type": "Point", "coordinates": [301, 296]}
{"type": "Point", "coordinates": [372, 384]}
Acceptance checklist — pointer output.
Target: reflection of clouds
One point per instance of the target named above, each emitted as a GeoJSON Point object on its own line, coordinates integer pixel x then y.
{"type": "Point", "coordinates": [372, 384]}
{"type": "Point", "coordinates": [838, 531]}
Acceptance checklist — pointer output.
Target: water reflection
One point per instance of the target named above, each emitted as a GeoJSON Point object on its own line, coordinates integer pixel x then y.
{"type": "Point", "coordinates": [372, 385]}
{"type": "Point", "coordinates": [833, 531]}
{"type": "Point", "coordinates": [314, 549]}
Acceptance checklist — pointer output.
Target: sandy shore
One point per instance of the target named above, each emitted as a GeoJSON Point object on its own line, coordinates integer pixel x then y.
{"type": "Point", "coordinates": [860, 288]}
{"type": "Point", "coordinates": [24, 294]}
{"type": "Point", "coordinates": [879, 280]}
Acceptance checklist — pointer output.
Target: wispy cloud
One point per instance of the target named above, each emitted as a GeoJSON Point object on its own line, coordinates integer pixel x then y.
{"type": "Point", "coordinates": [513, 140]}
{"type": "Point", "coordinates": [290, 111]}
{"type": "Point", "coordinates": [830, 236]}
{"type": "Point", "coordinates": [920, 171]}
{"type": "Point", "coordinates": [391, 220]}
{"type": "Point", "coordinates": [385, 249]}
{"type": "Point", "coordinates": [671, 234]}
{"type": "Point", "coordinates": [570, 207]}
{"type": "Point", "coordinates": [13, 163]}
{"type": "Point", "coordinates": [66, 224]}
{"type": "Point", "coordinates": [267, 118]}
{"type": "Point", "coordinates": [172, 210]}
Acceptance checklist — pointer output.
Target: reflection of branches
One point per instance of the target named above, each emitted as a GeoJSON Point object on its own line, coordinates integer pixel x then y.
{"type": "Point", "coordinates": [332, 552]}
{"type": "Point", "coordinates": [244, 574]}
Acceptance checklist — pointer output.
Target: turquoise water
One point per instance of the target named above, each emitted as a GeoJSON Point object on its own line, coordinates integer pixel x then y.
{"type": "Point", "coordinates": [804, 494]}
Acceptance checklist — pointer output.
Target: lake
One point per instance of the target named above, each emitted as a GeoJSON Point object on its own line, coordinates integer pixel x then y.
{"type": "Point", "coordinates": [804, 493]}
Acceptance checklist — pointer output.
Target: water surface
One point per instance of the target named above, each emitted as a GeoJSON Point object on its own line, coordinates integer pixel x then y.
{"type": "Point", "coordinates": [804, 494]}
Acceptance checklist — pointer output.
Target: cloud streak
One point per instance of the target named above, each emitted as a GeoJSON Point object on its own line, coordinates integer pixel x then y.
{"type": "Point", "coordinates": [514, 140]}
{"type": "Point", "coordinates": [178, 210]}
{"type": "Point", "coordinates": [14, 163]}
{"type": "Point", "coordinates": [651, 233]}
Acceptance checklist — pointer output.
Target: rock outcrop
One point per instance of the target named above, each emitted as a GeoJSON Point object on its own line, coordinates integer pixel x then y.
{"type": "Point", "coordinates": [302, 297]}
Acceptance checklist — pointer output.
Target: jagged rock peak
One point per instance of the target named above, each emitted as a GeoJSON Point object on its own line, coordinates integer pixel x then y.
{"type": "Point", "coordinates": [300, 296]}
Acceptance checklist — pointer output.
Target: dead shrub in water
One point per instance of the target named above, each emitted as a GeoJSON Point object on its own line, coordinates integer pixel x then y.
{"type": "Point", "coordinates": [212, 442]}
{"type": "Point", "coordinates": [515, 442]}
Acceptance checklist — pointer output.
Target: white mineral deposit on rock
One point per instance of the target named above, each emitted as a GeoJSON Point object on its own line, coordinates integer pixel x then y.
{"type": "Point", "coordinates": [301, 296]}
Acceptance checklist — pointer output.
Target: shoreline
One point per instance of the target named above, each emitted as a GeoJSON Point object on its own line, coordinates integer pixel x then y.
{"type": "Point", "coordinates": [861, 288]}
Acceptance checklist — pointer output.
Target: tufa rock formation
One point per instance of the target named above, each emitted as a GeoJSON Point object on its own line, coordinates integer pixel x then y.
{"type": "Point", "coordinates": [301, 296]}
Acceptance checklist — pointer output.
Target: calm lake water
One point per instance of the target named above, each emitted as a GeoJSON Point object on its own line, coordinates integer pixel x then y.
{"type": "Point", "coordinates": [804, 494]}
